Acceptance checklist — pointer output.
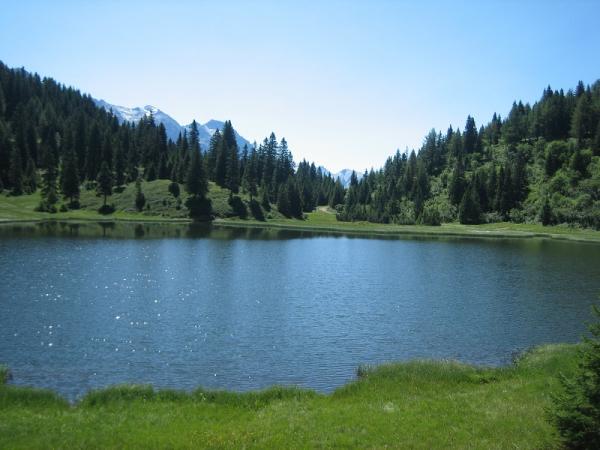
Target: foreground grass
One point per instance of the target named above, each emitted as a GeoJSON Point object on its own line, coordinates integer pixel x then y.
{"type": "Point", "coordinates": [418, 404]}
{"type": "Point", "coordinates": [163, 207]}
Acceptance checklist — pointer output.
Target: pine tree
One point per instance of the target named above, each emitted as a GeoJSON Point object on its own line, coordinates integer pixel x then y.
{"type": "Point", "coordinates": [196, 183]}
{"type": "Point", "coordinates": [469, 211]}
{"type": "Point", "coordinates": [119, 166]}
{"type": "Point", "coordinates": [49, 184]}
{"type": "Point", "coordinates": [249, 179]}
{"type": "Point", "coordinates": [140, 198]}
{"type": "Point", "coordinates": [16, 171]}
{"type": "Point", "coordinates": [283, 201]}
{"type": "Point", "coordinates": [470, 135]}
{"type": "Point", "coordinates": [69, 178]}
{"type": "Point", "coordinates": [457, 185]}
{"type": "Point", "coordinates": [576, 410]}
{"type": "Point", "coordinates": [105, 182]}
{"type": "Point", "coordinates": [2, 103]}
{"type": "Point", "coordinates": [546, 212]}
{"type": "Point", "coordinates": [584, 120]}
{"type": "Point", "coordinates": [30, 178]}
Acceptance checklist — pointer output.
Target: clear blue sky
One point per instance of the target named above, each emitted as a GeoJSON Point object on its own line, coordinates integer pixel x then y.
{"type": "Point", "coordinates": [347, 83]}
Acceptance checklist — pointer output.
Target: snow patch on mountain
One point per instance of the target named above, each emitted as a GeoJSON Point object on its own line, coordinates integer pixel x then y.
{"type": "Point", "coordinates": [172, 127]}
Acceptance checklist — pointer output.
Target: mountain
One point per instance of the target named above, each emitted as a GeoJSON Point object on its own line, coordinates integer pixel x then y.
{"type": "Point", "coordinates": [172, 127]}
{"type": "Point", "coordinates": [205, 132]}
{"type": "Point", "coordinates": [134, 115]}
{"type": "Point", "coordinates": [344, 176]}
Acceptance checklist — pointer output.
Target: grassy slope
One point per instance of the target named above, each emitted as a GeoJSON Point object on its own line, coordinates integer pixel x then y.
{"type": "Point", "coordinates": [411, 405]}
{"type": "Point", "coordinates": [163, 208]}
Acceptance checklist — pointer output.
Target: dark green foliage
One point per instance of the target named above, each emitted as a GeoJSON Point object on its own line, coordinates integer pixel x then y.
{"type": "Point", "coordinates": [105, 181]}
{"type": "Point", "coordinates": [556, 152]}
{"type": "Point", "coordinates": [256, 210]}
{"type": "Point", "coordinates": [200, 208]}
{"type": "Point", "coordinates": [469, 211]}
{"type": "Point", "coordinates": [546, 212]}
{"type": "Point", "coordinates": [69, 178]}
{"type": "Point", "coordinates": [49, 184]}
{"type": "Point", "coordinates": [140, 198]}
{"type": "Point", "coordinates": [174, 189]}
{"type": "Point", "coordinates": [238, 206]}
{"type": "Point", "coordinates": [576, 411]}
{"type": "Point", "coordinates": [196, 183]}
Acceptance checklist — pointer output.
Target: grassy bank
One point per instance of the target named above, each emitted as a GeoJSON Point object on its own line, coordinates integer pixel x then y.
{"type": "Point", "coordinates": [417, 404]}
{"type": "Point", "coordinates": [163, 207]}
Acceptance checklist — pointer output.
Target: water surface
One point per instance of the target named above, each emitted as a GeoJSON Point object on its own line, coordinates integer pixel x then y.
{"type": "Point", "coordinates": [86, 306]}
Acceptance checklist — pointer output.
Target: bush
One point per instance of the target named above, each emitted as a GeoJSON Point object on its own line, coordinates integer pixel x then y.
{"type": "Point", "coordinates": [200, 208]}
{"type": "Point", "coordinates": [256, 210]}
{"type": "Point", "coordinates": [106, 209]}
{"type": "Point", "coordinates": [238, 206]}
{"type": "Point", "coordinates": [431, 215]}
{"type": "Point", "coordinates": [140, 201]}
{"type": "Point", "coordinates": [174, 189]}
{"type": "Point", "coordinates": [576, 410]}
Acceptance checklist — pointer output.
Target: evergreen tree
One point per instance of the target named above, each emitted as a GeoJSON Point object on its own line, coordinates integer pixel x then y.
{"type": "Point", "coordinates": [457, 185]}
{"type": "Point", "coordinates": [105, 182]}
{"type": "Point", "coordinates": [16, 171]}
{"type": "Point", "coordinates": [584, 120]}
{"type": "Point", "coordinates": [469, 211]}
{"type": "Point", "coordinates": [69, 178]}
{"type": "Point", "coordinates": [119, 166]}
{"type": "Point", "coordinates": [49, 184]}
{"type": "Point", "coordinates": [546, 212]}
{"type": "Point", "coordinates": [140, 198]}
{"type": "Point", "coordinates": [470, 136]}
{"type": "Point", "coordinates": [249, 179]}
{"type": "Point", "coordinates": [576, 411]}
{"type": "Point", "coordinates": [196, 183]}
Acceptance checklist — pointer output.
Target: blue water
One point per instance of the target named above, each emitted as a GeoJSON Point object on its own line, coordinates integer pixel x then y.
{"type": "Point", "coordinates": [248, 309]}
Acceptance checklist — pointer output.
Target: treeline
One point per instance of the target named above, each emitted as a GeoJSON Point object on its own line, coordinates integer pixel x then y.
{"type": "Point", "coordinates": [540, 164]}
{"type": "Point", "coordinates": [56, 139]}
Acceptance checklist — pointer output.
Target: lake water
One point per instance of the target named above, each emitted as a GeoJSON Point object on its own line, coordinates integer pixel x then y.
{"type": "Point", "coordinates": [87, 306]}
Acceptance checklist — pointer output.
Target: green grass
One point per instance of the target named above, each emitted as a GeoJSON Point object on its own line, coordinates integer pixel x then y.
{"type": "Point", "coordinates": [323, 220]}
{"type": "Point", "coordinates": [418, 404]}
{"type": "Point", "coordinates": [162, 207]}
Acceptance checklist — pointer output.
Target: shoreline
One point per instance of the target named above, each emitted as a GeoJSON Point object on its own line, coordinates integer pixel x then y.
{"type": "Point", "coordinates": [418, 403]}
{"type": "Point", "coordinates": [362, 372]}
{"type": "Point", "coordinates": [451, 230]}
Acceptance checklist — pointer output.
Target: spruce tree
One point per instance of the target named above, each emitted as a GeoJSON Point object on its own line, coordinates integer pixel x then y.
{"type": "Point", "coordinates": [469, 211]}
{"type": "Point", "coordinates": [576, 410]}
{"type": "Point", "coordinates": [119, 166]}
{"type": "Point", "coordinates": [196, 183]}
{"type": "Point", "coordinates": [16, 171]}
{"type": "Point", "coordinates": [470, 136]}
{"type": "Point", "coordinates": [105, 182]}
{"type": "Point", "coordinates": [49, 184]}
{"type": "Point", "coordinates": [140, 198]}
{"type": "Point", "coordinates": [69, 178]}
{"type": "Point", "coordinates": [546, 212]}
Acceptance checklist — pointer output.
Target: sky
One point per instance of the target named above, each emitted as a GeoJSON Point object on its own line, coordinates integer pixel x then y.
{"type": "Point", "coordinates": [345, 82]}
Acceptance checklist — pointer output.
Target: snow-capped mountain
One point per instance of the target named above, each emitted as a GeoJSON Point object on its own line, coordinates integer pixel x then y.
{"type": "Point", "coordinates": [134, 115]}
{"type": "Point", "coordinates": [205, 132]}
{"type": "Point", "coordinates": [172, 127]}
{"type": "Point", "coordinates": [344, 176]}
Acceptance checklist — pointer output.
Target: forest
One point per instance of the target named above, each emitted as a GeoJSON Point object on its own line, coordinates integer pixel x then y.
{"type": "Point", "coordinates": [539, 164]}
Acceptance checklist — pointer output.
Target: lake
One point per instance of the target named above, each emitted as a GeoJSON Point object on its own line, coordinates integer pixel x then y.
{"type": "Point", "coordinates": [182, 306]}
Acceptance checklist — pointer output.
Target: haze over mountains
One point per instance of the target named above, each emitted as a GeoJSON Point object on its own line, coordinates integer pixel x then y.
{"type": "Point", "coordinates": [205, 131]}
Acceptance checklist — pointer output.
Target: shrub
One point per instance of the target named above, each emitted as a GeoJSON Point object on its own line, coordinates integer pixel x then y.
{"type": "Point", "coordinates": [174, 189]}
{"type": "Point", "coordinates": [576, 411]}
